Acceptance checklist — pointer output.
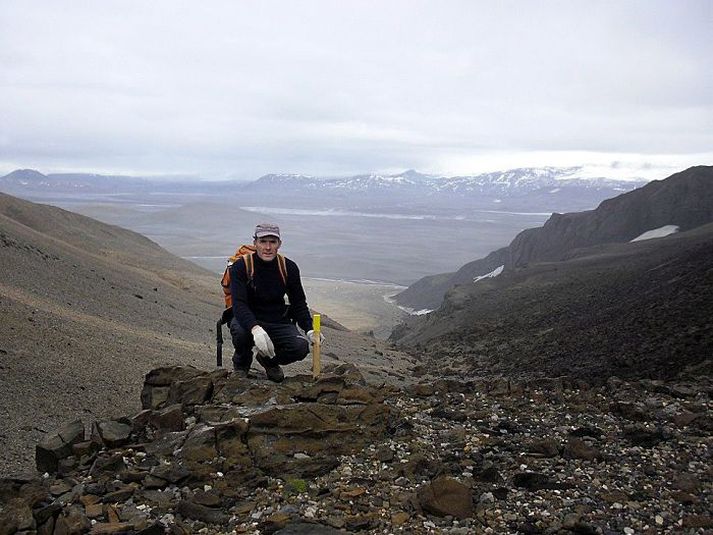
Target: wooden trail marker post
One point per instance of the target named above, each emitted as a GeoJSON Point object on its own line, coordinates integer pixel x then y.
{"type": "Point", "coordinates": [317, 346]}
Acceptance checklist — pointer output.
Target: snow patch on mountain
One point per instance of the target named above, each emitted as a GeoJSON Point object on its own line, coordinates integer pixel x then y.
{"type": "Point", "coordinates": [497, 271]}
{"type": "Point", "coordinates": [410, 311]}
{"type": "Point", "coordinates": [660, 232]}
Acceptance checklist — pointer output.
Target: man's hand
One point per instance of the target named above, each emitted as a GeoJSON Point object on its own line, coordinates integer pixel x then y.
{"type": "Point", "coordinates": [263, 342]}
{"type": "Point", "coordinates": [310, 337]}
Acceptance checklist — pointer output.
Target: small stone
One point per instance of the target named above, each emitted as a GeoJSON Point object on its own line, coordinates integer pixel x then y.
{"type": "Point", "coordinates": [101, 528]}
{"type": "Point", "coordinates": [207, 498]}
{"type": "Point", "coordinates": [201, 512]}
{"type": "Point", "coordinates": [547, 447]}
{"type": "Point", "coordinates": [60, 488]}
{"type": "Point", "coordinates": [310, 512]}
{"type": "Point", "coordinates": [698, 521]}
{"type": "Point", "coordinates": [686, 483]}
{"type": "Point", "coordinates": [446, 496]}
{"type": "Point", "coordinates": [112, 433]}
{"type": "Point", "coordinates": [400, 518]}
{"type": "Point", "coordinates": [577, 448]}
{"type": "Point", "coordinates": [533, 481]}
{"type": "Point", "coordinates": [168, 419]}
{"type": "Point", "coordinates": [94, 510]}
{"type": "Point", "coordinates": [352, 493]}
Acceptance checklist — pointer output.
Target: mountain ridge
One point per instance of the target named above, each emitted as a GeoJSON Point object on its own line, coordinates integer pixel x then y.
{"type": "Point", "coordinates": [521, 179]}
{"type": "Point", "coordinates": [684, 199]}
{"type": "Point", "coordinates": [493, 183]}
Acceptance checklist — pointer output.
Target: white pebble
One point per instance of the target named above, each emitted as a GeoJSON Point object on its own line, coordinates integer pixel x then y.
{"type": "Point", "coordinates": [310, 512]}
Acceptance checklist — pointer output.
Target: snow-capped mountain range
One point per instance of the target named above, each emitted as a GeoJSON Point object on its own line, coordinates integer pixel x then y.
{"type": "Point", "coordinates": [539, 189]}
{"type": "Point", "coordinates": [519, 181]}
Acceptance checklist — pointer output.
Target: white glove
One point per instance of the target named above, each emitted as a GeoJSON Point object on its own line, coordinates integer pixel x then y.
{"type": "Point", "coordinates": [263, 342]}
{"type": "Point", "coordinates": [310, 337]}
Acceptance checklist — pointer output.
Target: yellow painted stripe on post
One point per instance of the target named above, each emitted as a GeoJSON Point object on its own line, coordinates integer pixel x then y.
{"type": "Point", "coordinates": [316, 347]}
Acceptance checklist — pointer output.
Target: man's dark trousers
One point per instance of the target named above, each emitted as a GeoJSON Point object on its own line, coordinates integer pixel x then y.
{"type": "Point", "coordinates": [290, 345]}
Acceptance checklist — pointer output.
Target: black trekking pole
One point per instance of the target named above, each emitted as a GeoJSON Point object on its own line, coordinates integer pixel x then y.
{"type": "Point", "coordinates": [219, 343]}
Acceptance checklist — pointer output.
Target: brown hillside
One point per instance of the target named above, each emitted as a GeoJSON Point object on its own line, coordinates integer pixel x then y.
{"type": "Point", "coordinates": [86, 310]}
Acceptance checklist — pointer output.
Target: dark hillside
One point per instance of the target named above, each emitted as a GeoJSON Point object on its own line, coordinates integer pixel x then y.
{"type": "Point", "coordinates": [684, 199]}
{"type": "Point", "coordinates": [634, 310]}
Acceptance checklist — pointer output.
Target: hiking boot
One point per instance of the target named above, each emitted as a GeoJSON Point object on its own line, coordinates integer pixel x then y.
{"type": "Point", "coordinates": [273, 370]}
{"type": "Point", "coordinates": [241, 368]}
{"type": "Point", "coordinates": [243, 371]}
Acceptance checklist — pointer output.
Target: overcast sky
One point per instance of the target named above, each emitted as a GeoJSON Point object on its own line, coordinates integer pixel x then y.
{"type": "Point", "coordinates": [238, 89]}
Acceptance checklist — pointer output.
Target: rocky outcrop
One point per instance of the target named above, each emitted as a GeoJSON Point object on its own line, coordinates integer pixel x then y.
{"type": "Point", "coordinates": [446, 456]}
{"type": "Point", "coordinates": [214, 430]}
{"type": "Point", "coordinates": [243, 428]}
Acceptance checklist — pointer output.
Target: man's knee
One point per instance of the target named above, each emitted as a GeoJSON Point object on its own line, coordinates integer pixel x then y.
{"type": "Point", "coordinates": [298, 349]}
{"type": "Point", "coordinates": [302, 347]}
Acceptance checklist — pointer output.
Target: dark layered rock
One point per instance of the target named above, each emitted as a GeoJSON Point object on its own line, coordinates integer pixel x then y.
{"type": "Point", "coordinates": [112, 433]}
{"type": "Point", "coordinates": [176, 383]}
{"type": "Point", "coordinates": [216, 429]}
{"type": "Point", "coordinates": [58, 446]}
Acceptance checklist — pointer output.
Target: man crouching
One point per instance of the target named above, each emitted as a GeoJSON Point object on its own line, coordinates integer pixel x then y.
{"type": "Point", "coordinates": [262, 317]}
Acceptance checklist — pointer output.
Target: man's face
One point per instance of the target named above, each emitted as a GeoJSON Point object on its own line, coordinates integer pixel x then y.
{"type": "Point", "coordinates": [267, 247]}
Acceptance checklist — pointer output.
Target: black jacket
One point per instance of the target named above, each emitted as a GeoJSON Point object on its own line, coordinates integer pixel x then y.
{"type": "Point", "coordinates": [262, 300]}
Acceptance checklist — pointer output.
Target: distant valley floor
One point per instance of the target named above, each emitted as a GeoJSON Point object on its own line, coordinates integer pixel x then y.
{"type": "Point", "coordinates": [359, 306]}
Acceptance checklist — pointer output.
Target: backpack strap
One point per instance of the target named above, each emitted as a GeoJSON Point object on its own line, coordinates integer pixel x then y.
{"type": "Point", "coordinates": [282, 265]}
{"type": "Point", "coordinates": [249, 265]}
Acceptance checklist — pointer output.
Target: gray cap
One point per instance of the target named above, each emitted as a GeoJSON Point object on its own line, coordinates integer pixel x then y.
{"type": "Point", "coordinates": [267, 229]}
